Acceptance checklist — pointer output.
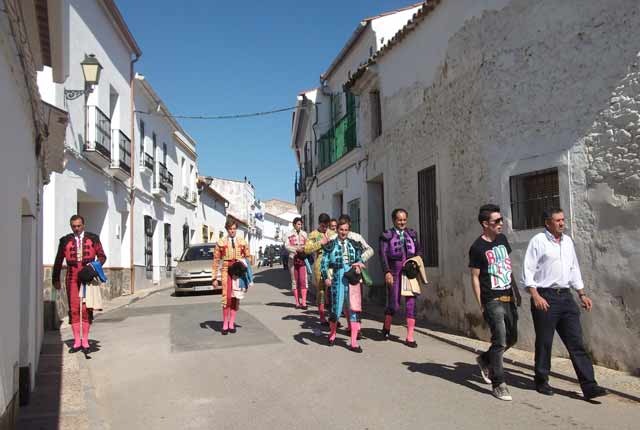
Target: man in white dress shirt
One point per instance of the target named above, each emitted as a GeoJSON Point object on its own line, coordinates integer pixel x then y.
{"type": "Point", "coordinates": [551, 270]}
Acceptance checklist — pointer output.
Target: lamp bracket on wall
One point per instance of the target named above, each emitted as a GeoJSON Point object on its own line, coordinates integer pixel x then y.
{"type": "Point", "coordinates": [74, 94]}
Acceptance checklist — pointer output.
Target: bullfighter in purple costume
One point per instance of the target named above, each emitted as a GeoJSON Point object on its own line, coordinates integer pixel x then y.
{"type": "Point", "coordinates": [397, 244]}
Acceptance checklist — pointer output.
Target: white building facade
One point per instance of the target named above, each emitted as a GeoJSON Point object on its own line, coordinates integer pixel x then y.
{"type": "Point", "coordinates": [166, 195]}
{"type": "Point", "coordinates": [326, 130]}
{"type": "Point", "coordinates": [98, 160]}
{"type": "Point", "coordinates": [278, 218]}
{"type": "Point", "coordinates": [243, 205]}
{"type": "Point", "coordinates": [32, 143]}
{"type": "Point", "coordinates": [212, 215]}
{"type": "Point", "coordinates": [476, 102]}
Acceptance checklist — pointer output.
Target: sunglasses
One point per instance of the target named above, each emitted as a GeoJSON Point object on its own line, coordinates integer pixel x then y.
{"type": "Point", "coordinates": [496, 221]}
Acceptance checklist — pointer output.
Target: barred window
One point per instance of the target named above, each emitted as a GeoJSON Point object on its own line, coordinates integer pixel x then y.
{"type": "Point", "coordinates": [149, 227]}
{"type": "Point", "coordinates": [531, 194]}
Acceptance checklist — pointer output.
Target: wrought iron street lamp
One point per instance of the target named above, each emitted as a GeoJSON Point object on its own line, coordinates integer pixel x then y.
{"type": "Point", "coordinates": [91, 69]}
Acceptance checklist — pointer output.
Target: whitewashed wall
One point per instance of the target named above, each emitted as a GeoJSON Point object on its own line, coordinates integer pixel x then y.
{"type": "Point", "coordinates": [523, 86]}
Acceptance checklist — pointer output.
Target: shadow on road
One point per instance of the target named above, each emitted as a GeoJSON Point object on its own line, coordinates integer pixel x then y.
{"type": "Point", "coordinates": [281, 304]}
{"type": "Point", "coordinates": [277, 278]}
{"type": "Point", "coordinates": [468, 376]}
{"type": "Point", "coordinates": [215, 325]}
{"type": "Point", "coordinates": [197, 293]}
{"type": "Point", "coordinates": [308, 322]}
{"type": "Point", "coordinates": [43, 406]}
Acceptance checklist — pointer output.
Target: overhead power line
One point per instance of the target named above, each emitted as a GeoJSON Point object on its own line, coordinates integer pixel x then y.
{"type": "Point", "coordinates": [218, 117]}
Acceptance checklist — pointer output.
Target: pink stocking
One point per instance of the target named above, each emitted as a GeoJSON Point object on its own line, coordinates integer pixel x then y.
{"type": "Point", "coordinates": [387, 322]}
{"type": "Point", "coordinates": [232, 319]}
{"type": "Point", "coordinates": [225, 318]}
{"type": "Point", "coordinates": [295, 295]}
{"type": "Point", "coordinates": [75, 327]}
{"type": "Point", "coordinates": [321, 311]}
{"type": "Point", "coordinates": [355, 328]}
{"type": "Point", "coordinates": [304, 296]}
{"type": "Point", "coordinates": [411, 324]}
{"type": "Point", "coordinates": [333, 326]}
{"type": "Point", "coordinates": [85, 334]}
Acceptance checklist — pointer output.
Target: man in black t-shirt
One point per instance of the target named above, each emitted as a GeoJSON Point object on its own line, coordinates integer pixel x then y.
{"type": "Point", "coordinates": [496, 293]}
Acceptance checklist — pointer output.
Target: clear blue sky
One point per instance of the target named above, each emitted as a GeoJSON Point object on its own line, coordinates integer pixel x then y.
{"type": "Point", "coordinates": [208, 57]}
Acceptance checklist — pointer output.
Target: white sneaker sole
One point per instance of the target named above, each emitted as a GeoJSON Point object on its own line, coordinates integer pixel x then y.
{"type": "Point", "coordinates": [504, 398]}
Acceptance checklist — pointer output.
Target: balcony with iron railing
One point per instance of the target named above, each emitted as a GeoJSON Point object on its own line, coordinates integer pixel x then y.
{"type": "Point", "coordinates": [146, 162]}
{"type": "Point", "coordinates": [97, 147]}
{"type": "Point", "coordinates": [168, 179]}
{"type": "Point", "coordinates": [121, 164]}
{"type": "Point", "coordinates": [159, 180]}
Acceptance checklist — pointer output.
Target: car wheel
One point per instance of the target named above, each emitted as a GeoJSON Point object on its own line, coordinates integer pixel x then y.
{"type": "Point", "coordinates": [179, 293]}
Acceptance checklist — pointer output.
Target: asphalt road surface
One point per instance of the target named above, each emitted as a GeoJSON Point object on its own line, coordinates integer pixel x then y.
{"type": "Point", "coordinates": [163, 364]}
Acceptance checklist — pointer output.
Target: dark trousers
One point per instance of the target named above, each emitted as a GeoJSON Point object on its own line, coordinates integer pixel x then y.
{"type": "Point", "coordinates": [562, 316]}
{"type": "Point", "coordinates": [503, 323]}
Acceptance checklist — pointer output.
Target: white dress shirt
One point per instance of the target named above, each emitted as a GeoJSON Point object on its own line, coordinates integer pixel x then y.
{"type": "Point", "coordinates": [551, 263]}
{"type": "Point", "coordinates": [79, 242]}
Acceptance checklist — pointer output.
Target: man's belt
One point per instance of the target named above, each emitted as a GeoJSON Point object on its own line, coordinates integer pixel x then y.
{"type": "Point", "coordinates": [554, 290]}
{"type": "Point", "coordinates": [504, 299]}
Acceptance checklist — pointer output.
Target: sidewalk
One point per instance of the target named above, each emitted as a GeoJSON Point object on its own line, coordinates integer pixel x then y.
{"type": "Point", "coordinates": [64, 397]}
{"type": "Point", "coordinates": [622, 384]}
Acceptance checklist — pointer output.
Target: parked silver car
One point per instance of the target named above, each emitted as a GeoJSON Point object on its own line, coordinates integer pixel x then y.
{"type": "Point", "coordinates": [193, 272]}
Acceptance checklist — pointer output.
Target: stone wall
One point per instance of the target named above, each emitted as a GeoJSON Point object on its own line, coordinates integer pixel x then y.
{"type": "Point", "coordinates": [537, 84]}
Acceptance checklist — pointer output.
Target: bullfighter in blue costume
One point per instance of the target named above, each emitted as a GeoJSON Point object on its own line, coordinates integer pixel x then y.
{"type": "Point", "coordinates": [344, 255]}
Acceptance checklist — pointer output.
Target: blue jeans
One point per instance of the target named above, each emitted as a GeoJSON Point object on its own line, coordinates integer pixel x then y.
{"type": "Point", "coordinates": [503, 323]}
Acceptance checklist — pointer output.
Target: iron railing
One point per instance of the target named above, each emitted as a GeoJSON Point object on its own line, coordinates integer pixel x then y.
{"type": "Point", "coordinates": [147, 161]}
{"type": "Point", "coordinates": [101, 124]}
{"type": "Point", "coordinates": [159, 179]}
{"type": "Point", "coordinates": [169, 179]}
{"type": "Point", "coordinates": [124, 154]}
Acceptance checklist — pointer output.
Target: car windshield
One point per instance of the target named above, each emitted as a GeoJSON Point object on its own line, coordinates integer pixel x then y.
{"type": "Point", "coordinates": [194, 253]}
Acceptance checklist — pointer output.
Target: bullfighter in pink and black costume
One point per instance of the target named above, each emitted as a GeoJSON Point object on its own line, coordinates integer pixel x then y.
{"type": "Point", "coordinates": [78, 249]}
{"type": "Point", "coordinates": [398, 244]}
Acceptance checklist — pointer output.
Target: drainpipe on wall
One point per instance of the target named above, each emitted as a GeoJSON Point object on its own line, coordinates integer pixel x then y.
{"type": "Point", "coordinates": [132, 172]}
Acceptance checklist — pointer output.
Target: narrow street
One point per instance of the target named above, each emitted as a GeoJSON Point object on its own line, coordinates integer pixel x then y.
{"type": "Point", "coordinates": [163, 364]}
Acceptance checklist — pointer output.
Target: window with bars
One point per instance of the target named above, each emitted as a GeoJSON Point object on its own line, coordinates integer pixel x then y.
{"type": "Point", "coordinates": [428, 211]}
{"type": "Point", "coordinates": [532, 193]}
{"type": "Point", "coordinates": [148, 243]}
{"type": "Point", "coordinates": [167, 247]}
{"type": "Point", "coordinates": [353, 210]}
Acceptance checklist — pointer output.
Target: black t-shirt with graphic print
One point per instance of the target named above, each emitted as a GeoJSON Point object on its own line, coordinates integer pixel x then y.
{"type": "Point", "coordinates": [492, 258]}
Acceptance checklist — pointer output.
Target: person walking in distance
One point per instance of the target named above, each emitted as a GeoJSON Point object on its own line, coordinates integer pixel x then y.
{"type": "Point", "coordinates": [229, 250]}
{"type": "Point", "coordinates": [294, 244]}
{"type": "Point", "coordinates": [496, 292]}
{"type": "Point", "coordinates": [315, 245]}
{"type": "Point", "coordinates": [396, 245]}
{"type": "Point", "coordinates": [551, 271]}
{"type": "Point", "coordinates": [79, 249]}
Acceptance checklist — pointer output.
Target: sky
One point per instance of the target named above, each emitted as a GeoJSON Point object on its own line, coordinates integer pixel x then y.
{"type": "Point", "coordinates": [212, 57]}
